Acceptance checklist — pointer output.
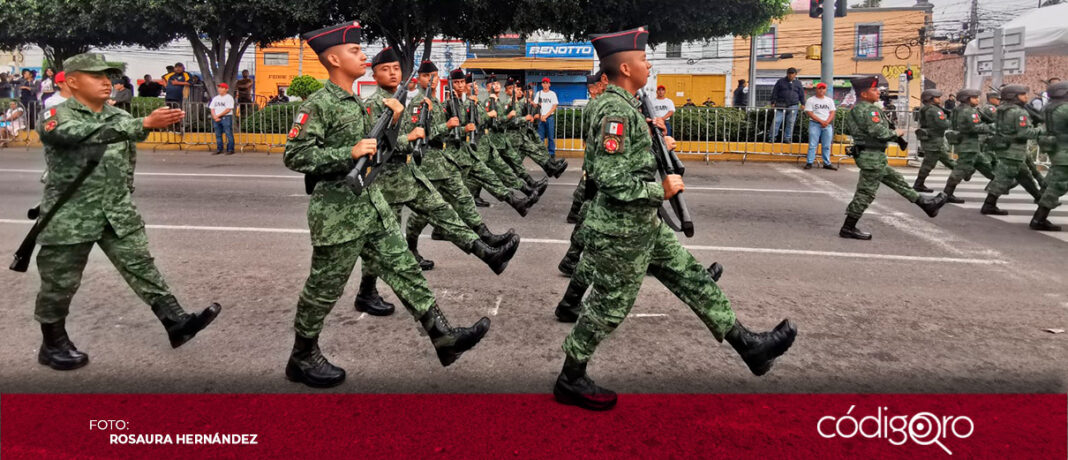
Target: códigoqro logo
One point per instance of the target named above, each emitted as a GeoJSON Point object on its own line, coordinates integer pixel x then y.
{"type": "Point", "coordinates": [923, 428]}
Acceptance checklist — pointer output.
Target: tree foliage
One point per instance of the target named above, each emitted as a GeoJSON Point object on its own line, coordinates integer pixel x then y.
{"type": "Point", "coordinates": [303, 86]}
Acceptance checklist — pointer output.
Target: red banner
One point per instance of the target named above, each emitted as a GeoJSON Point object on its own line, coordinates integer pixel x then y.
{"type": "Point", "coordinates": [532, 426]}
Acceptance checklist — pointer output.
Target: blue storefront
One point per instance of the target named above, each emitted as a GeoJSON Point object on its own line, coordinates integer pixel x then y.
{"type": "Point", "coordinates": [565, 64]}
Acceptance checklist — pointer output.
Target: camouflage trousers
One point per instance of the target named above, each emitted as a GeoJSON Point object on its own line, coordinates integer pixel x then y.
{"type": "Point", "coordinates": [511, 156]}
{"type": "Point", "coordinates": [453, 190]}
{"type": "Point", "coordinates": [1008, 174]}
{"type": "Point", "coordinates": [487, 153]}
{"type": "Point", "coordinates": [871, 175]}
{"type": "Point", "coordinates": [61, 268]}
{"type": "Point", "coordinates": [430, 206]}
{"type": "Point", "coordinates": [530, 147]}
{"type": "Point", "coordinates": [931, 158]}
{"type": "Point", "coordinates": [574, 251]}
{"type": "Point", "coordinates": [1056, 186]}
{"type": "Point", "coordinates": [578, 197]}
{"type": "Point", "coordinates": [619, 265]}
{"type": "Point", "coordinates": [385, 250]}
{"type": "Point", "coordinates": [968, 163]}
{"type": "Point", "coordinates": [477, 174]}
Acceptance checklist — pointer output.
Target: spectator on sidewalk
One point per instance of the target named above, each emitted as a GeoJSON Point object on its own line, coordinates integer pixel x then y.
{"type": "Point", "coordinates": [47, 85]}
{"type": "Point", "coordinates": [663, 108]}
{"type": "Point", "coordinates": [12, 123]}
{"type": "Point", "coordinates": [222, 112]}
{"type": "Point", "coordinates": [820, 110]}
{"type": "Point", "coordinates": [62, 95]}
{"type": "Point", "coordinates": [177, 83]}
{"type": "Point", "coordinates": [741, 94]}
{"type": "Point", "coordinates": [246, 88]}
{"type": "Point", "coordinates": [547, 102]}
{"type": "Point", "coordinates": [279, 98]}
{"type": "Point", "coordinates": [786, 97]}
{"type": "Point", "coordinates": [149, 88]}
{"type": "Point", "coordinates": [123, 95]}
{"type": "Point", "coordinates": [27, 90]}
{"type": "Point", "coordinates": [689, 103]}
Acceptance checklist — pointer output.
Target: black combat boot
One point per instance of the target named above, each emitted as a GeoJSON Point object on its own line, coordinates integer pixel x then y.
{"type": "Point", "coordinates": [990, 206]}
{"type": "Point", "coordinates": [451, 342]}
{"type": "Point", "coordinates": [919, 185]}
{"type": "Point", "coordinates": [435, 234]}
{"type": "Point", "coordinates": [520, 203]}
{"type": "Point", "coordinates": [567, 265]}
{"type": "Point", "coordinates": [716, 270]}
{"type": "Point", "coordinates": [1041, 221]}
{"type": "Point", "coordinates": [569, 308]}
{"type": "Point", "coordinates": [575, 388]}
{"type": "Point", "coordinates": [1032, 188]}
{"type": "Point", "coordinates": [951, 186]}
{"type": "Point", "coordinates": [413, 247]}
{"type": "Point", "coordinates": [480, 202]}
{"type": "Point", "coordinates": [57, 351]}
{"type": "Point", "coordinates": [182, 326]}
{"type": "Point", "coordinates": [496, 257]}
{"type": "Point", "coordinates": [850, 230]}
{"type": "Point", "coordinates": [759, 349]}
{"type": "Point", "coordinates": [369, 301]}
{"type": "Point", "coordinates": [555, 167]}
{"type": "Point", "coordinates": [573, 214]}
{"type": "Point", "coordinates": [33, 213]}
{"type": "Point", "coordinates": [931, 204]}
{"type": "Point", "coordinates": [491, 238]}
{"type": "Point", "coordinates": [535, 189]}
{"type": "Point", "coordinates": [307, 365]}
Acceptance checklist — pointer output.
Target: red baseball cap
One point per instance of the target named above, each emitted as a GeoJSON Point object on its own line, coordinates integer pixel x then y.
{"type": "Point", "coordinates": [821, 85]}
{"type": "Point", "coordinates": [61, 77]}
{"type": "Point", "coordinates": [224, 85]}
{"type": "Point", "coordinates": [660, 87]}
{"type": "Point", "coordinates": [545, 80]}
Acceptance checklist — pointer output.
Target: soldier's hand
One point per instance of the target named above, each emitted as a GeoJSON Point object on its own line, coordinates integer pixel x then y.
{"type": "Point", "coordinates": [669, 142]}
{"type": "Point", "coordinates": [529, 118]}
{"type": "Point", "coordinates": [492, 114]}
{"type": "Point", "coordinates": [429, 103]}
{"type": "Point", "coordinates": [417, 133]}
{"type": "Point", "coordinates": [673, 185]}
{"type": "Point", "coordinates": [469, 127]}
{"type": "Point", "coordinates": [452, 123]}
{"type": "Point", "coordinates": [364, 147]}
{"type": "Point", "coordinates": [163, 117]}
{"type": "Point", "coordinates": [659, 123]}
{"type": "Point", "coordinates": [395, 106]}
{"type": "Point", "coordinates": [900, 132]}
{"type": "Point", "coordinates": [511, 115]}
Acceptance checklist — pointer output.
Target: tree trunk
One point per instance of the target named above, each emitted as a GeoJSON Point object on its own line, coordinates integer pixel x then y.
{"type": "Point", "coordinates": [219, 63]}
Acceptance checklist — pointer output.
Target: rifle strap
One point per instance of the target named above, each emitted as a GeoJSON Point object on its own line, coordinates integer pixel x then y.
{"type": "Point", "coordinates": [26, 248]}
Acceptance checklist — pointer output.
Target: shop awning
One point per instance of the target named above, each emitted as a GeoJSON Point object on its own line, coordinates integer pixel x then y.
{"type": "Point", "coordinates": [525, 63]}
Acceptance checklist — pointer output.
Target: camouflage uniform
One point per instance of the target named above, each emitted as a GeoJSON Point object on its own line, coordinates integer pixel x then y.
{"type": "Point", "coordinates": [345, 226]}
{"type": "Point", "coordinates": [525, 140]}
{"type": "Point", "coordinates": [493, 143]}
{"type": "Point", "coordinates": [1014, 129]}
{"type": "Point", "coordinates": [969, 123]}
{"type": "Point", "coordinates": [989, 113]}
{"type": "Point", "coordinates": [625, 238]}
{"type": "Point", "coordinates": [934, 121]}
{"type": "Point", "coordinates": [871, 131]}
{"type": "Point", "coordinates": [1057, 180]}
{"type": "Point", "coordinates": [101, 211]}
{"type": "Point", "coordinates": [571, 263]}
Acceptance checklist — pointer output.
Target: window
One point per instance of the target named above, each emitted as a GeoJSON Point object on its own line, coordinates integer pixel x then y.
{"type": "Point", "coordinates": [766, 44]}
{"type": "Point", "coordinates": [869, 41]}
{"type": "Point", "coordinates": [674, 50]}
{"type": "Point", "coordinates": [276, 59]}
{"type": "Point", "coordinates": [710, 49]}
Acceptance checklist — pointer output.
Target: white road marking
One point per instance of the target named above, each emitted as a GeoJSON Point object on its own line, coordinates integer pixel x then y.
{"type": "Point", "coordinates": [725, 189]}
{"type": "Point", "coordinates": [245, 176]}
{"type": "Point", "coordinates": [362, 316]}
{"type": "Point", "coordinates": [647, 315]}
{"type": "Point", "coordinates": [497, 307]}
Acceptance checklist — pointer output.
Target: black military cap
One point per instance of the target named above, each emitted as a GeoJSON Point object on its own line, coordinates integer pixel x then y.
{"type": "Point", "coordinates": [509, 82]}
{"type": "Point", "coordinates": [593, 79]}
{"type": "Point", "coordinates": [1010, 92]}
{"type": "Point", "coordinates": [457, 74]}
{"type": "Point", "coordinates": [470, 77]}
{"type": "Point", "coordinates": [929, 94]}
{"type": "Point", "coordinates": [327, 37]}
{"type": "Point", "coordinates": [427, 67]}
{"type": "Point", "coordinates": [965, 94]}
{"type": "Point", "coordinates": [386, 55]}
{"type": "Point", "coordinates": [491, 78]}
{"type": "Point", "coordinates": [864, 83]}
{"type": "Point", "coordinates": [627, 40]}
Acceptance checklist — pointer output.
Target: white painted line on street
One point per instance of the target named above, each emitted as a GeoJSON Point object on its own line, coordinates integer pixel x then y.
{"type": "Point", "coordinates": [246, 176]}
{"type": "Point", "coordinates": [1026, 219]}
{"type": "Point", "coordinates": [362, 316]}
{"type": "Point", "coordinates": [801, 252]}
{"type": "Point", "coordinates": [647, 315]}
{"type": "Point", "coordinates": [726, 189]}
{"type": "Point", "coordinates": [1030, 207]}
{"type": "Point", "coordinates": [497, 307]}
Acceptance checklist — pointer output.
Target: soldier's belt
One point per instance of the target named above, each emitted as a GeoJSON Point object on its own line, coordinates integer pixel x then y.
{"type": "Point", "coordinates": [311, 180]}
{"type": "Point", "coordinates": [399, 158]}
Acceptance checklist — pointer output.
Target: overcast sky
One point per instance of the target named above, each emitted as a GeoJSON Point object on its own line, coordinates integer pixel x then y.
{"type": "Point", "coordinates": [950, 14]}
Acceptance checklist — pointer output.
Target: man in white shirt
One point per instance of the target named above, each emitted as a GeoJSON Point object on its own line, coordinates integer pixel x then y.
{"type": "Point", "coordinates": [64, 93]}
{"type": "Point", "coordinates": [222, 112]}
{"type": "Point", "coordinates": [663, 108]}
{"type": "Point", "coordinates": [547, 101]}
{"type": "Point", "coordinates": [820, 111]}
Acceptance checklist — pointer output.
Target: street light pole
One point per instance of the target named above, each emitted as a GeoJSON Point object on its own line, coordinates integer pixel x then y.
{"type": "Point", "coordinates": [827, 53]}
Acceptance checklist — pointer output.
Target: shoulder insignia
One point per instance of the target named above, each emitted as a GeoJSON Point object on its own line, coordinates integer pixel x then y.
{"type": "Point", "coordinates": [875, 116]}
{"type": "Point", "coordinates": [50, 125]}
{"type": "Point", "coordinates": [415, 113]}
{"type": "Point", "coordinates": [49, 113]}
{"type": "Point", "coordinates": [941, 115]}
{"type": "Point", "coordinates": [975, 118]}
{"type": "Point", "coordinates": [613, 133]}
{"type": "Point", "coordinates": [298, 124]}
{"type": "Point", "coordinates": [1023, 120]}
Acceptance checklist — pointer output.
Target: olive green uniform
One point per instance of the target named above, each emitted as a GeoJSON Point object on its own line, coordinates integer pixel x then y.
{"type": "Point", "coordinates": [871, 131]}
{"type": "Point", "coordinates": [969, 124]}
{"type": "Point", "coordinates": [1057, 180]}
{"type": "Point", "coordinates": [1013, 130]}
{"type": "Point", "coordinates": [935, 122]}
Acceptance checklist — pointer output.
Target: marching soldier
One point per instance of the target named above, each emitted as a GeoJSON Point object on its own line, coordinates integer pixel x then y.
{"type": "Point", "coordinates": [933, 126]}
{"type": "Point", "coordinates": [989, 114]}
{"type": "Point", "coordinates": [871, 131]}
{"type": "Point", "coordinates": [443, 170]}
{"type": "Point", "coordinates": [626, 239]}
{"type": "Point", "coordinates": [403, 185]}
{"type": "Point", "coordinates": [968, 126]}
{"type": "Point", "coordinates": [595, 87]}
{"type": "Point", "coordinates": [1056, 143]}
{"type": "Point", "coordinates": [326, 139]}
{"type": "Point", "coordinates": [86, 136]}
{"type": "Point", "coordinates": [492, 144]}
{"type": "Point", "coordinates": [525, 140]}
{"type": "Point", "coordinates": [1013, 130]}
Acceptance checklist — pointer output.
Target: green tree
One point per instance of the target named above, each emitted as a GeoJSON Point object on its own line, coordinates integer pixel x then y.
{"type": "Point", "coordinates": [303, 86]}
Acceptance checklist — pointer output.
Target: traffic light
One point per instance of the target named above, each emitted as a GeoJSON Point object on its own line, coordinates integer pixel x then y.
{"type": "Point", "coordinates": [815, 8]}
{"type": "Point", "coordinates": [840, 8]}
{"type": "Point", "coordinates": [908, 74]}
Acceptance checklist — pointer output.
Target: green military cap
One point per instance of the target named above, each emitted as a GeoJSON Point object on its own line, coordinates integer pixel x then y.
{"type": "Point", "coordinates": [965, 94]}
{"type": "Point", "coordinates": [88, 62]}
{"type": "Point", "coordinates": [1058, 90]}
{"type": "Point", "coordinates": [1010, 92]}
{"type": "Point", "coordinates": [993, 95]}
{"type": "Point", "coordinates": [929, 94]}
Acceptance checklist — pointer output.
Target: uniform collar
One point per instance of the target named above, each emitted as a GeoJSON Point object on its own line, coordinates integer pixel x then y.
{"type": "Point", "coordinates": [619, 91]}
{"type": "Point", "coordinates": [337, 91]}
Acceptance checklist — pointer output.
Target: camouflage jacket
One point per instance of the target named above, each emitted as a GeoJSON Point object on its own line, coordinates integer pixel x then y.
{"type": "Point", "coordinates": [621, 165]}
{"type": "Point", "coordinates": [1057, 126]}
{"type": "Point", "coordinates": [871, 131]}
{"type": "Point", "coordinates": [436, 166]}
{"type": "Point", "coordinates": [400, 178]}
{"type": "Point", "coordinates": [458, 151]}
{"type": "Point", "coordinates": [1014, 126]}
{"type": "Point", "coordinates": [495, 135]}
{"type": "Point", "coordinates": [989, 113]}
{"type": "Point", "coordinates": [934, 120]}
{"type": "Point", "coordinates": [71, 134]}
{"type": "Point", "coordinates": [968, 121]}
{"type": "Point", "coordinates": [320, 142]}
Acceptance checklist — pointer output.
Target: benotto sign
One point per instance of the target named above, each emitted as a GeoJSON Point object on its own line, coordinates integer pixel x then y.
{"type": "Point", "coordinates": [583, 50]}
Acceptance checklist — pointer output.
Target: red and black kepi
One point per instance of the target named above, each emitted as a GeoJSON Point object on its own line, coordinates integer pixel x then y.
{"type": "Point", "coordinates": [427, 67]}
{"type": "Point", "coordinates": [387, 55]}
{"type": "Point", "coordinates": [864, 83]}
{"type": "Point", "coordinates": [627, 40]}
{"type": "Point", "coordinates": [457, 74]}
{"type": "Point", "coordinates": [327, 37]}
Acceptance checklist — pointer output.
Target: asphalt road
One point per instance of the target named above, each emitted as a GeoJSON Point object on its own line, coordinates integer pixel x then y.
{"type": "Point", "coordinates": [959, 303]}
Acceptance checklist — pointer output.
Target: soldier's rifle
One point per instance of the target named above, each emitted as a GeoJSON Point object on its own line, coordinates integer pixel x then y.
{"type": "Point", "coordinates": [453, 107]}
{"type": "Point", "coordinates": [385, 132]}
{"type": "Point", "coordinates": [421, 144]}
{"type": "Point", "coordinates": [674, 212]}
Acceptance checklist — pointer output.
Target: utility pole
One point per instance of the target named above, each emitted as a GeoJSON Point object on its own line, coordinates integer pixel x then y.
{"type": "Point", "coordinates": [827, 54]}
{"type": "Point", "coordinates": [997, 73]}
{"type": "Point", "coordinates": [300, 56]}
{"type": "Point", "coordinates": [752, 71]}
{"type": "Point", "coordinates": [973, 21]}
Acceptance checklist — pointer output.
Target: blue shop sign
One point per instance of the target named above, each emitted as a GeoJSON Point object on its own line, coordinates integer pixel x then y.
{"type": "Point", "coordinates": [580, 50]}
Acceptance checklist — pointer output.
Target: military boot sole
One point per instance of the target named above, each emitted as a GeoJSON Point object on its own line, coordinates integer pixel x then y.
{"type": "Point", "coordinates": [565, 395]}
{"type": "Point", "coordinates": [922, 189]}
{"type": "Point", "coordinates": [190, 328]}
{"type": "Point", "coordinates": [426, 265]}
{"type": "Point", "coordinates": [501, 262]}
{"type": "Point", "coordinates": [954, 200]}
{"type": "Point", "coordinates": [295, 374]}
{"type": "Point", "coordinates": [716, 270]}
{"type": "Point", "coordinates": [854, 234]}
{"type": "Point", "coordinates": [760, 363]}
{"type": "Point", "coordinates": [374, 306]}
{"type": "Point", "coordinates": [449, 355]}
{"type": "Point", "coordinates": [1044, 226]}
{"type": "Point", "coordinates": [437, 236]}
{"type": "Point", "coordinates": [572, 218]}
{"type": "Point", "coordinates": [993, 212]}
{"type": "Point", "coordinates": [566, 314]}
{"type": "Point", "coordinates": [44, 359]}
